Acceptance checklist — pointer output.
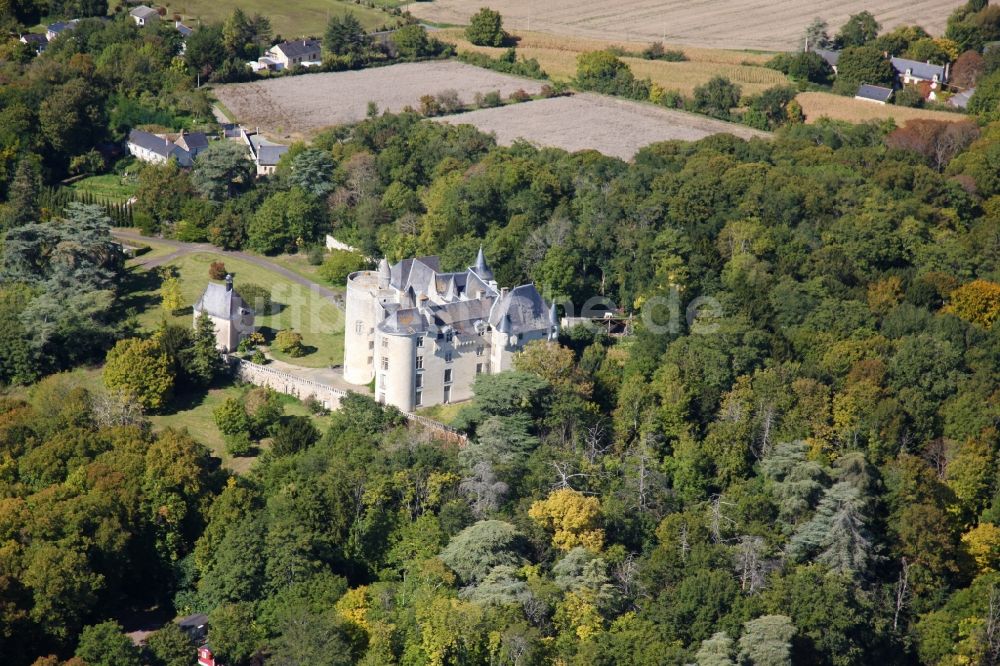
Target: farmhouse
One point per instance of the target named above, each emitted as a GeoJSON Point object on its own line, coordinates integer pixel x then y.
{"type": "Point", "coordinates": [915, 72]}
{"type": "Point", "coordinates": [424, 335]}
{"type": "Point", "coordinates": [143, 15]}
{"type": "Point", "coordinates": [876, 94]}
{"type": "Point", "coordinates": [232, 317]}
{"type": "Point", "coordinates": [288, 54]}
{"type": "Point", "coordinates": [830, 56]}
{"type": "Point", "coordinates": [158, 148]}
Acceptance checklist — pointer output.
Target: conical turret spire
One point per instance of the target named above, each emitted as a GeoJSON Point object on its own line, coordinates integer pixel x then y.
{"type": "Point", "coordinates": [481, 268]}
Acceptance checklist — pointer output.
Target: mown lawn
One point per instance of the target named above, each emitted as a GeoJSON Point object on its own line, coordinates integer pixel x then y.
{"type": "Point", "coordinates": [194, 412]}
{"type": "Point", "coordinates": [109, 187]}
{"type": "Point", "coordinates": [294, 306]}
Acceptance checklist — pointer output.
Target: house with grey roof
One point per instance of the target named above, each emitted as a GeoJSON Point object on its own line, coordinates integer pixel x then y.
{"type": "Point", "coordinates": [914, 72]}
{"type": "Point", "coordinates": [876, 94]}
{"type": "Point", "coordinates": [143, 15]}
{"type": "Point", "coordinates": [53, 30]}
{"type": "Point", "coordinates": [232, 317]}
{"type": "Point", "coordinates": [424, 335]}
{"type": "Point", "coordinates": [36, 41]}
{"type": "Point", "coordinates": [159, 148]}
{"type": "Point", "coordinates": [831, 57]}
{"type": "Point", "coordinates": [961, 100]}
{"type": "Point", "coordinates": [305, 52]}
{"type": "Point", "coordinates": [264, 153]}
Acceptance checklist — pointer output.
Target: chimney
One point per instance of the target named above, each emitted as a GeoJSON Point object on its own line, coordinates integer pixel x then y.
{"type": "Point", "coordinates": [229, 282]}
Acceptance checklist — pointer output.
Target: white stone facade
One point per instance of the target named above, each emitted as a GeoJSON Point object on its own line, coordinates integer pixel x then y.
{"type": "Point", "coordinates": [423, 335]}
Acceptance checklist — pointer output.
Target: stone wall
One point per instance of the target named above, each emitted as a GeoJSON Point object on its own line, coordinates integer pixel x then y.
{"type": "Point", "coordinates": [282, 382]}
{"type": "Point", "coordinates": [328, 396]}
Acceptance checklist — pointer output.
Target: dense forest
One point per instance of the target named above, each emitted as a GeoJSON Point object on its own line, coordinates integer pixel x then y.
{"type": "Point", "coordinates": [804, 471]}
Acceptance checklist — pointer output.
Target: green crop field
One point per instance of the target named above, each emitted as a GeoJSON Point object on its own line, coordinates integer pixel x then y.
{"type": "Point", "coordinates": [291, 19]}
{"type": "Point", "coordinates": [319, 321]}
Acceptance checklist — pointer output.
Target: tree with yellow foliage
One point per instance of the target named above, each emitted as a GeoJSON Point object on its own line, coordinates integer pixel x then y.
{"type": "Point", "coordinates": [573, 518]}
{"type": "Point", "coordinates": [983, 544]}
{"type": "Point", "coordinates": [170, 294]}
{"type": "Point", "coordinates": [977, 301]}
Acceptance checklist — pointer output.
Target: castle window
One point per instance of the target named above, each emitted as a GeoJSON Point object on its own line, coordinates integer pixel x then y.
{"type": "Point", "coordinates": [447, 357]}
{"type": "Point", "coordinates": [479, 351]}
{"type": "Point", "coordinates": [418, 398]}
{"type": "Point", "coordinates": [419, 381]}
{"type": "Point", "coordinates": [479, 368]}
{"type": "Point", "coordinates": [371, 344]}
{"type": "Point", "coordinates": [449, 336]}
{"type": "Point", "coordinates": [447, 375]}
{"type": "Point", "coordinates": [447, 394]}
{"type": "Point", "coordinates": [420, 341]}
{"type": "Point", "coordinates": [420, 363]}
{"type": "Point", "coordinates": [385, 343]}
{"type": "Point", "coordinates": [385, 362]}
{"type": "Point", "coordinates": [359, 326]}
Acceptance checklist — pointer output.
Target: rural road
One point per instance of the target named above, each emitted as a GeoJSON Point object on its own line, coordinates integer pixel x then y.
{"type": "Point", "coordinates": [181, 249]}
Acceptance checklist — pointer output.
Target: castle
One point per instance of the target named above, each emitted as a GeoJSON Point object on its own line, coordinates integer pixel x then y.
{"type": "Point", "coordinates": [232, 317]}
{"type": "Point", "coordinates": [423, 336]}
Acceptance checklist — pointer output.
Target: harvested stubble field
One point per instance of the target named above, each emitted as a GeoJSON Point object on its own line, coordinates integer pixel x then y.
{"type": "Point", "coordinates": [816, 105]}
{"type": "Point", "coordinates": [557, 56]}
{"type": "Point", "coordinates": [611, 126]}
{"type": "Point", "coordinates": [295, 107]}
{"type": "Point", "coordinates": [730, 24]}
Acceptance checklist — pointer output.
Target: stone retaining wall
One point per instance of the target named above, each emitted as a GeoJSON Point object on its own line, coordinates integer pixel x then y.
{"type": "Point", "coordinates": [328, 396]}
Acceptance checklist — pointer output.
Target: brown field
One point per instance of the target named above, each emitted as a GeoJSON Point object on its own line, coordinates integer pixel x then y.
{"type": "Point", "coordinates": [818, 105]}
{"type": "Point", "coordinates": [295, 107]}
{"type": "Point", "coordinates": [612, 126]}
{"type": "Point", "coordinates": [730, 24]}
{"type": "Point", "coordinates": [557, 56]}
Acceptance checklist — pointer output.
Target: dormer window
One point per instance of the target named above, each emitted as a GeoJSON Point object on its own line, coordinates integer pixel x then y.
{"type": "Point", "coordinates": [449, 336]}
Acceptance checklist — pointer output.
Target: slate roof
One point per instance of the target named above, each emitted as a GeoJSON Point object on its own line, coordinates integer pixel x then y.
{"type": "Point", "coordinates": [183, 29]}
{"type": "Point", "coordinates": [151, 142]}
{"type": "Point", "coordinates": [61, 26]}
{"type": "Point", "coordinates": [298, 48]}
{"type": "Point", "coordinates": [221, 302]}
{"type": "Point", "coordinates": [874, 93]}
{"type": "Point", "coordinates": [265, 152]}
{"type": "Point", "coordinates": [144, 12]}
{"type": "Point", "coordinates": [192, 142]}
{"type": "Point", "coordinates": [34, 39]}
{"type": "Point", "coordinates": [520, 309]}
{"type": "Point", "coordinates": [830, 56]}
{"type": "Point", "coordinates": [920, 70]}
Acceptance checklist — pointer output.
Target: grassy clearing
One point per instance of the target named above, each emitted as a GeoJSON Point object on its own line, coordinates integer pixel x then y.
{"type": "Point", "coordinates": [291, 19]}
{"type": "Point", "coordinates": [557, 55]}
{"type": "Point", "coordinates": [109, 187]}
{"type": "Point", "coordinates": [319, 321]}
{"type": "Point", "coordinates": [818, 105]}
{"type": "Point", "coordinates": [442, 413]}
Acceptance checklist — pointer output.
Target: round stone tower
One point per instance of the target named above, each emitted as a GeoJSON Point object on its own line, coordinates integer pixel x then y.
{"type": "Point", "coordinates": [360, 307]}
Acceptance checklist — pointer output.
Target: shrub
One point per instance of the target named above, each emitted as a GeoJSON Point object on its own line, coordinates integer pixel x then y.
{"type": "Point", "coordinates": [231, 418]}
{"type": "Point", "coordinates": [655, 51]}
{"type": "Point", "coordinates": [339, 264]}
{"type": "Point", "coordinates": [289, 342]}
{"type": "Point", "coordinates": [239, 445]}
{"type": "Point", "coordinates": [217, 270]}
{"type": "Point", "coordinates": [491, 99]}
{"type": "Point", "coordinates": [604, 72]}
{"type": "Point", "coordinates": [716, 97]}
{"type": "Point", "coordinates": [449, 101]}
{"type": "Point", "coordinates": [315, 255]}
{"type": "Point", "coordinates": [486, 28]}
{"type": "Point", "coordinates": [292, 434]}
{"type": "Point", "coordinates": [256, 296]}
{"type": "Point", "coordinates": [314, 406]}
{"type": "Point", "coordinates": [429, 106]}
{"type": "Point", "coordinates": [519, 96]}
{"type": "Point", "coordinates": [258, 358]}
{"type": "Point", "coordinates": [908, 96]}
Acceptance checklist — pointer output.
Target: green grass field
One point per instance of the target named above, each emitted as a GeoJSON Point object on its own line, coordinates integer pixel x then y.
{"type": "Point", "coordinates": [319, 321]}
{"type": "Point", "coordinates": [109, 187]}
{"type": "Point", "coordinates": [291, 19]}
